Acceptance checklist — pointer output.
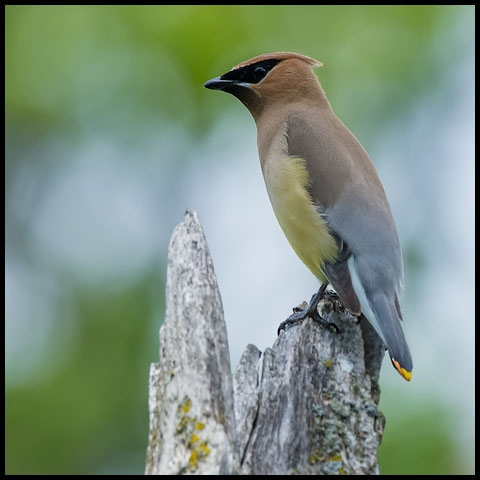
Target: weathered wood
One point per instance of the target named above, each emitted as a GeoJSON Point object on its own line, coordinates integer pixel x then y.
{"type": "Point", "coordinates": [192, 427]}
{"type": "Point", "coordinates": [307, 406]}
{"type": "Point", "coordinates": [316, 413]}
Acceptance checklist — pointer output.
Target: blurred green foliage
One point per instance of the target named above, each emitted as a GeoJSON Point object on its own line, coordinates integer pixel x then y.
{"type": "Point", "coordinates": [425, 427]}
{"type": "Point", "coordinates": [119, 72]}
{"type": "Point", "coordinates": [94, 407]}
{"type": "Point", "coordinates": [108, 64]}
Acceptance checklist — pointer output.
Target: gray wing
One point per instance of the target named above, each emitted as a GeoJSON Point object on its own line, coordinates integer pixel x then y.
{"type": "Point", "coordinates": [348, 192]}
{"type": "Point", "coordinates": [368, 270]}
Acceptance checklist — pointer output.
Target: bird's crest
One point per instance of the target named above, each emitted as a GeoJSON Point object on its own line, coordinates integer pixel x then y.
{"type": "Point", "coordinates": [280, 56]}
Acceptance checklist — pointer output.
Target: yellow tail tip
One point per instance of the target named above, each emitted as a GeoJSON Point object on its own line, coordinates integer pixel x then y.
{"type": "Point", "coordinates": [406, 375]}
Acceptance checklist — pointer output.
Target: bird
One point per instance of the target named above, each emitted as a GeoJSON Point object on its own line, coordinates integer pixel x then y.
{"type": "Point", "coordinates": [325, 193]}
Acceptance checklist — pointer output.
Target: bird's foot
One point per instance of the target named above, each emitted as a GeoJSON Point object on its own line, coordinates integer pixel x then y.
{"type": "Point", "coordinates": [316, 317]}
{"type": "Point", "coordinates": [300, 314]}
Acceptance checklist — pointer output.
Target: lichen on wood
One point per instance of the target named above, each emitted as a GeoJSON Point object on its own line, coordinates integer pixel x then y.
{"type": "Point", "coordinates": [192, 427]}
{"type": "Point", "coordinates": [308, 405]}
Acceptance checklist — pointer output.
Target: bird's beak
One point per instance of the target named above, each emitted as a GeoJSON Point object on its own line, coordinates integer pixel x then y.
{"type": "Point", "coordinates": [218, 84]}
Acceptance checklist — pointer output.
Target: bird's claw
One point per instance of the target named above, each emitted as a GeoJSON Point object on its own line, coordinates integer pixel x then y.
{"type": "Point", "coordinates": [301, 314]}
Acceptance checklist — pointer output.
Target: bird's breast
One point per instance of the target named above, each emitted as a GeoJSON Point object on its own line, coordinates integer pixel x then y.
{"type": "Point", "coordinates": [287, 182]}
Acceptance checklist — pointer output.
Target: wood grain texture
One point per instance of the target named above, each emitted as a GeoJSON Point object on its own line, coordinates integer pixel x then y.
{"type": "Point", "coordinates": [308, 405]}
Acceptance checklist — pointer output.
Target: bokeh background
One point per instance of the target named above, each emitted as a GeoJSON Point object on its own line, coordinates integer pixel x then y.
{"type": "Point", "coordinates": [110, 137]}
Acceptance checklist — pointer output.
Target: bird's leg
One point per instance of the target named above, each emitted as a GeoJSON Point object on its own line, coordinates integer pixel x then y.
{"type": "Point", "coordinates": [311, 311]}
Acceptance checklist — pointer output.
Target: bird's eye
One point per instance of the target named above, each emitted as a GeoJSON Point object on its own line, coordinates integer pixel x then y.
{"type": "Point", "coordinates": [250, 73]}
{"type": "Point", "coordinates": [259, 72]}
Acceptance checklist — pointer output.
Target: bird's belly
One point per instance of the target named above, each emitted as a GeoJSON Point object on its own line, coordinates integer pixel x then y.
{"type": "Point", "coordinates": [287, 183]}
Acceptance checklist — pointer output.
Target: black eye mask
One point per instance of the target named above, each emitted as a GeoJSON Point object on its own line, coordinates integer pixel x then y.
{"type": "Point", "coordinates": [251, 73]}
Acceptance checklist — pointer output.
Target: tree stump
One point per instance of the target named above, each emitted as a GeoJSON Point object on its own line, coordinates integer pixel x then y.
{"type": "Point", "coordinates": [308, 405]}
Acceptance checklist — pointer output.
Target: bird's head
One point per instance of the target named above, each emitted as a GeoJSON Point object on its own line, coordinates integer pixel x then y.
{"type": "Point", "coordinates": [271, 78]}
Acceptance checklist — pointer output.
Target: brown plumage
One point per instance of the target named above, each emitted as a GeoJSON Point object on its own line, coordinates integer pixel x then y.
{"type": "Point", "coordinates": [324, 190]}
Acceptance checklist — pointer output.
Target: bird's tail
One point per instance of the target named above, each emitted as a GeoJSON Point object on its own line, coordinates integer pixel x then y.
{"type": "Point", "coordinates": [388, 317]}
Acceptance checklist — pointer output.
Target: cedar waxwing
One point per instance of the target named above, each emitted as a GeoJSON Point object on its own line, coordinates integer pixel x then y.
{"type": "Point", "coordinates": [325, 192]}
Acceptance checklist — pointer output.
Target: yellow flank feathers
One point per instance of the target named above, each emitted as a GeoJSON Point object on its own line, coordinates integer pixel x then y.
{"type": "Point", "coordinates": [287, 185]}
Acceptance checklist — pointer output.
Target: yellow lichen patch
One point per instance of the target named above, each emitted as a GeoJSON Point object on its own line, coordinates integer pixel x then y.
{"type": "Point", "coordinates": [188, 428]}
{"type": "Point", "coordinates": [193, 460]}
{"type": "Point", "coordinates": [335, 458]}
{"type": "Point", "coordinates": [204, 449]}
{"type": "Point", "coordinates": [182, 424]}
{"type": "Point", "coordinates": [193, 439]}
{"type": "Point", "coordinates": [186, 405]}
{"type": "Point", "coordinates": [315, 458]}
{"type": "Point", "coordinates": [328, 363]}
{"type": "Point", "coordinates": [199, 452]}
